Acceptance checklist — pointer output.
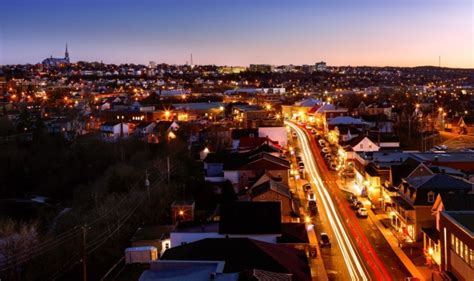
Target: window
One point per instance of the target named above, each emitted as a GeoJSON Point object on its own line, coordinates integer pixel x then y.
{"type": "Point", "coordinates": [471, 253]}
{"type": "Point", "coordinates": [370, 146]}
{"type": "Point", "coordinates": [361, 146]}
{"type": "Point", "coordinates": [167, 246]}
{"type": "Point", "coordinates": [452, 242]}
{"type": "Point", "coordinates": [431, 197]}
{"type": "Point", "coordinates": [466, 254]}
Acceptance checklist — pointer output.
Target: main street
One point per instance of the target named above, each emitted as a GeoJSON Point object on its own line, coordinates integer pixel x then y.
{"type": "Point", "coordinates": [354, 253]}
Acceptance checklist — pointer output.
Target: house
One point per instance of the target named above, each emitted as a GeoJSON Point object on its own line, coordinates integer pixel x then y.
{"type": "Point", "coordinates": [244, 254]}
{"type": "Point", "coordinates": [145, 128]}
{"type": "Point", "coordinates": [457, 238]}
{"type": "Point", "coordinates": [266, 189]}
{"type": "Point", "coordinates": [244, 169]}
{"type": "Point", "coordinates": [435, 251]}
{"type": "Point", "coordinates": [346, 133]}
{"type": "Point", "coordinates": [255, 220]}
{"type": "Point", "coordinates": [415, 198]}
{"type": "Point", "coordinates": [463, 125]}
{"type": "Point", "coordinates": [244, 172]}
{"type": "Point", "coordinates": [175, 270]}
{"type": "Point", "coordinates": [114, 130]}
{"type": "Point", "coordinates": [380, 123]}
{"type": "Point", "coordinates": [362, 143]}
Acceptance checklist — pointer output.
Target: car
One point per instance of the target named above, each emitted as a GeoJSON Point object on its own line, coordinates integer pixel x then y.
{"type": "Point", "coordinates": [326, 150]}
{"type": "Point", "coordinates": [301, 171]}
{"type": "Point", "coordinates": [362, 212]}
{"type": "Point", "coordinates": [294, 134]}
{"type": "Point", "coordinates": [327, 156]}
{"type": "Point", "coordinates": [313, 208]}
{"type": "Point", "coordinates": [333, 166]}
{"type": "Point", "coordinates": [322, 142]}
{"type": "Point", "coordinates": [298, 158]}
{"type": "Point", "coordinates": [311, 196]}
{"type": "Point", "coordinates": [325, 241]}
{"type": "Point", "coordinates": [301, 164]}
{"type": "Point", "coordinates": [307, 187]}
{"type": "Point", "coordinates": [351, 198]}
{"type": "Point", "coordinates": [356, 205]}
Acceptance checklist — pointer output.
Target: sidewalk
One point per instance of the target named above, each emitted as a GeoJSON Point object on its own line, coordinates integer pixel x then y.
{"type": "Point", "coordinates": [414, 270]}
{"type": "Point", "coordinates": [394, 244]}
{"type": "Point", "coordinates": [318, 271]}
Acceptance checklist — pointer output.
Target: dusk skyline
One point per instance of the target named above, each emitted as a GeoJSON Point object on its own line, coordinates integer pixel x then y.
{"type": "Point", "coordinates": [374, 33]}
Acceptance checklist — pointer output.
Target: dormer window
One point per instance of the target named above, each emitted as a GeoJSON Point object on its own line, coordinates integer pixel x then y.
{"type": "Point", "coordinates": [431, 197]}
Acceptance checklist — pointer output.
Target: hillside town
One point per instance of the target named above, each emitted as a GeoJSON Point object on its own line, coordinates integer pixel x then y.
{"type": "Point", "coordinates": [290, 160]}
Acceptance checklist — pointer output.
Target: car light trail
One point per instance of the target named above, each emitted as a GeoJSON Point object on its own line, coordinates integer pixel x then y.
{"type": "Point", "coordinates": [355, 267]}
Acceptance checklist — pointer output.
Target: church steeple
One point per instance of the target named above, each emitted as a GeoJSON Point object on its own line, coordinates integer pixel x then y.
{"type": "Point", "coordinates": [66, 54]}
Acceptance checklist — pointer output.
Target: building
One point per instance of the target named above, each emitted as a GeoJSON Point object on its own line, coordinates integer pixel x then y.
{"type": "Point", "coordinates": [457, 236]}
{"type": "Point", "coordinates": [439, 251]}
{"type": "Point", "coordinates": [258, 220]}
{"type": "Point", "coordinates": [411, 208]}
{"type": "Point", "coordinates": [320, 66]}
{"type": "Point", "coordinates": [244, 254]}
{"type": "Point", "coordinates": [55, 62]}
{"type": "Point", "coordinates": [114, 130]}
{"type": "Point", "coordinates": [266, 189]}
{"type": "Point", "coordinates": [265, 68]}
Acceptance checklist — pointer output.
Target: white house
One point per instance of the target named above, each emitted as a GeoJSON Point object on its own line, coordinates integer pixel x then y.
{"type": "Point", "coordinates": [363, 143]}
{"type": "Point", "coordinates": [113, 130]}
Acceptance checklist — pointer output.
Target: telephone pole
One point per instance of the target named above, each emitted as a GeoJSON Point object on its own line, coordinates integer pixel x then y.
{"type": "Point", "coordinates": [84, 254]}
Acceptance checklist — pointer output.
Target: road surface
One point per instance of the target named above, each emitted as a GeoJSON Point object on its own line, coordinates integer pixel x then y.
{"type": "Point", "coordinates": [353, 255]}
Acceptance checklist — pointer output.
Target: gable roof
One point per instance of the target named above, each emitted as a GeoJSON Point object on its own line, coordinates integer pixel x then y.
{"type": "Point", "coordinates": [402, 171]}
{"type": "Point", "coordinates": [439, 184]}
{"type": "Point", "coordinates": [242, 254]}
{"type": "Point", "coordinates": [458, 202]}
{"type": "Point", "coordinates": [270, 185]}
{"type": "Point", "coordinates": [241, 217]}
{"type": "Point", "coordinates": [265, 161]}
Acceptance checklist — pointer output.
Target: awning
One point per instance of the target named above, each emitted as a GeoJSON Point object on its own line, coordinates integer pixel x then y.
{"type": "Point", "coordinates": [402, 203]}
{"type": "Point", "coordinates": [432, 233]}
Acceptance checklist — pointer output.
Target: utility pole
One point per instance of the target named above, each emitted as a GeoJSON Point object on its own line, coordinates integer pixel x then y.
{"type": "Point", "coordinates": [84, 254]}
{"type": "Point", "coordinates": [168, 168]}
{"type": "Point", "coordinates": [147, 184]}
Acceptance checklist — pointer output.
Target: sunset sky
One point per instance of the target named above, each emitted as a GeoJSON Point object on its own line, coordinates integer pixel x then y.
{"type": "Point", "coordinates": [240, 32]}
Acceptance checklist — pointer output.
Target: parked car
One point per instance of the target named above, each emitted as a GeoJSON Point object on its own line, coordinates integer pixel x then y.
{"type": "Point", "coordinates": [312, 207]}
{"type": "Point", "coordinates": [311, 196]}
{"type": "Point", "coordinates": [294, 134]}
{"type": "Point", "coordinates": [326, 150]}
{"type": "Point", "coordinates": [307, 187]}
{"type": "Point", "coordinates": [333, 166]}
{"type": "Point", "coordinates": [356, 205]}
{"type": "Point", "coordinates": [322, 143]}
{"type": "Point", "coordinates": [362, 212]}
{"type": "Point", "coordinates": [325, 241]}
{"type": "Point", "coordinates": [351, 198]}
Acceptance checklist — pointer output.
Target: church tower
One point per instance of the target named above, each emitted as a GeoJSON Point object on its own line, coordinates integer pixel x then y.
{"type": "Point", "coordinates": [66, 54]}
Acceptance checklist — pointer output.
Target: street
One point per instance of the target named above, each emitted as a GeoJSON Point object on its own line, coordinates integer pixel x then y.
{"type": "Point", "coordinates": [352, 255]}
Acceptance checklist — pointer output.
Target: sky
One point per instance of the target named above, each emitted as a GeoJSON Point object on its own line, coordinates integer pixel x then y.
{"type": "Point", "coordinates": [241, 32]}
